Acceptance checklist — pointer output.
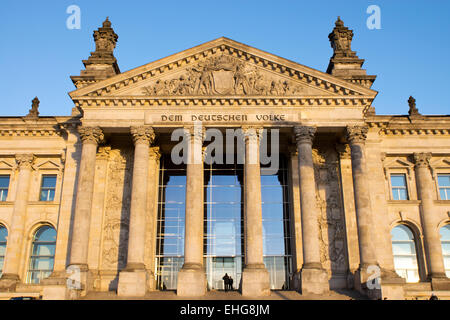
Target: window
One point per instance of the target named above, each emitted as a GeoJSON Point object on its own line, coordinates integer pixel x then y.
{"type": "Point", "coordinates": [445, 241]}
{"type": "Point", "coordinates": [3, 236]}
{"type": "Point", "coordinates": [48, 188]}
{"type": "Point", "coordinates": [444, 186]}
{"type": "Point", "coordinates": [4, 186]}
{"type": "Point", "coordinates": [42, 254]}
{"type": "Point", "coordinates": [399, 188]}
{"type": "Point", "coordinates": [405, 257]}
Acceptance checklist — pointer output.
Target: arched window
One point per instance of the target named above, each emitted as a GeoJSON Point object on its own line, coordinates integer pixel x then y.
{"type": "Point", "coordinates": [3, 235]}
{"type": "Point", "coordinates": [405, 256]}
{"type": "Point", "coordinates": [445, 241]}
{"type": "Point", "coordinates": [42, 254]}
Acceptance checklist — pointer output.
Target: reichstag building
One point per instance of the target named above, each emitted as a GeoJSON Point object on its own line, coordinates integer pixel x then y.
{"type": "Point", "coordinates": [224, 159]}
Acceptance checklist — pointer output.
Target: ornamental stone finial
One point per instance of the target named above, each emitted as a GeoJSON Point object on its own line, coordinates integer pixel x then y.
{"type": "Point", "coordinates": [422, 159]}
{"type": "Point", "coordinates": [143, 134]}
{"type": "Point", "coordinates": [341, 40]}
{"type": "Point", "coordinates": [24, 161]}
{"type": "Point", "coordinates": [93, 135]}
{"type": "Point", "coordinates": [34, 111]}
{"type": "Point", "coordinates": [357, 134]}
{"type": "Point", "coordinates": [413, 111]}
{"type": "Point", "coordinates": [304, 134]}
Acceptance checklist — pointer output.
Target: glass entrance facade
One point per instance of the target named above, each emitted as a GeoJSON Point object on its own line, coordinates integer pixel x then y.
{"type": "Point", "coordinates": [223, 225]}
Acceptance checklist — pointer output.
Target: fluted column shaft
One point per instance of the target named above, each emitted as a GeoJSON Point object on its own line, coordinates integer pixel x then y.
{"type": "Point", "coordinates": [309, 213]}
{"type": "Point", "coordinates": [356, 137]}
{"type": "Point", "coordinates": [90, 137]}
{"type": "Point", "coordinates": [142, 136]}
{"type": "Point", "coordinates": [252, 200]}
{"type": "Point", "coordinates": [16, 236]}
{"type": "Point", "coordinates": [432, 242]}
{"type": "Point", "coordinates": [193, 249]}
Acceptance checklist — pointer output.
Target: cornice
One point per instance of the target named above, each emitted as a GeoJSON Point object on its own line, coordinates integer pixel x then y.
{"type": "Point", "coordinates": [30, 132]}
{"type": "Point", "coordinates": [145, 101]}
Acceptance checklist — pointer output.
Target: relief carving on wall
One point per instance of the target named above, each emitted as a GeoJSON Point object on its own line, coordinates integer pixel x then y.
{"type": "Point", "coordinates": [118, 197]}
{"type": "Point", "coordinates": [222, 75]}
{"type": "Point", "coordinates": [331, 219]}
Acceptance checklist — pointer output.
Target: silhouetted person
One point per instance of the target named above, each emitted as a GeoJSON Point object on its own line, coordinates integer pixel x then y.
{"type": "Point", "coordinates": [230, 282]}
{"type": "Point", "coordinates": [434, 297]}
{"type": "Point", "coordinates": [226, 281]}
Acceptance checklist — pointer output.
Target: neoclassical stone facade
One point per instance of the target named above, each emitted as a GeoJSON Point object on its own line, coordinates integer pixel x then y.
{"type": "Point", "coordinates": [358, 201]}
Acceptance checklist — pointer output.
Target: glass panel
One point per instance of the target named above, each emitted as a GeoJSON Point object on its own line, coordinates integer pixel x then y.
{"type": "Point", "coordinates": [444, 180]}
{"type": "Point", "coordinates": [272, 194]}
{"type": "Point", "coordinates": [43, 252]}
{"type": "Point", "coordinates": [2, 250]}
{"type": "Point", "coordinates": [444, 194]}
{"type": "Point", "coordinates": [398, 180]}
{"type": "Point", "coordinates": [405, 257]}
{"type": "Point", "coordinates": [4, 182]}
{"type": "Point", "coordinates": [49, 181]}
{"type": "Point", "coordinates": [3, 234]}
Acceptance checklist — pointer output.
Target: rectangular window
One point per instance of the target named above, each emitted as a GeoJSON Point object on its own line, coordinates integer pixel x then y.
{"type": "Point", "coordinates": [399, 188]}
{"type": "Point", "coordinates": [4, 186]}
{"type": "Point", "coordinates": [48, 187]}
{"type": "Point", "coordinates": [444, 186]}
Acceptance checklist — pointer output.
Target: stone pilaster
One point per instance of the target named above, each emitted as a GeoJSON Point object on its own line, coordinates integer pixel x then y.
{"type": "Point", "coordinates": [356, 136]}
{"type": "Point", "coordinates": [430, 222]}
{"type": "Point", "coordinates": [10, 276]}
{"type": "Point", "coordinates": [192, 277]}
{"type": "Point", "coordinates": [134, 278]}
{"type": "Point", "coordinates": [255, 278]}
{"type": "Point", "coordinates": [90, 137]}
{"type": "Point", "coordinates": [314, 278]}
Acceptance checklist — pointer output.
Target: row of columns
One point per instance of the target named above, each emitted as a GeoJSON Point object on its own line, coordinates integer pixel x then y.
{"type": "Point", "coordinates": [255, 278]}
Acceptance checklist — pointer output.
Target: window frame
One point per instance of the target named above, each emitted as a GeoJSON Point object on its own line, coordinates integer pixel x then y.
{"type": "Point", "coordinates": [417, 246]}
{"type": "Point", "coordinates": [407, 187]}
{"type": "Point", "coordinates": [447, 188]}
{"type": "Point", "coordinates": [41, 188]}
{"type": "Point", "coordinates": [7, 189]}
{"type": "Point", "coordinates": [5, 243]}
{"type": "Point", "coordinates": [28, 270]}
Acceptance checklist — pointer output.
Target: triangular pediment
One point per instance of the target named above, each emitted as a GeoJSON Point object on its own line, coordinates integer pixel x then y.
{"type": "Point", "coordinates": [223, 68]}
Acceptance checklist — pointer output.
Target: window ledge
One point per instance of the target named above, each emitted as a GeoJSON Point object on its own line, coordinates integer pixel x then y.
{"type": "Point", "coordinates": [446, 202]}
{"type": "Point", "coordinates": [6, 203]}
{"type": "Point", "coordinates": [405, 202]}
{"type": "Point", "coordinates": [43, 203]}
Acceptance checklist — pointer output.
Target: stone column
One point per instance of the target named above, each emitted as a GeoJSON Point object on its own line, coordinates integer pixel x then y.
{"type": "Point", "coordinates": [90, 137]}
{"type": "Point", "coordinates": [255, 277]}
{"type": "Point", "coordinates": [192, 278]}
{"type": "Point", "coordinates": [314, 278]}
{"type": "Point", "coordinates": [356, 137]}
{"type": "Point", "coordinates": [16, 235]}
{"type": "Point", "coordinates": [133, 279]}
{"type": "Point", "coordinates": [429, 220]}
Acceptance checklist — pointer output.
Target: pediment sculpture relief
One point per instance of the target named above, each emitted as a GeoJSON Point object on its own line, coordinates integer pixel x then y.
{"type": "Point", "coordinates": [223, 75]}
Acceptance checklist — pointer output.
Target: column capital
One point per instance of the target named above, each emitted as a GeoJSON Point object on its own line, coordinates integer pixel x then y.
{"type": "Point", "coordinates": [25, 161]}
{"type": "Point", "coordinates": [252, 133]}
{"type": "Point", "coordinates": [357, 134]}
{"type": "Point", "coordinates": [154, 153]}
{"type": "Point", "coordinates": [343, 150]}
{"type": "Point", "coordinates": [197, 132]}
{"type": "Point", "coordinates": [422, 159]}
{"type": "Point", "coordinates": [91, 135]}
{"type": "Point", "coordinates": [304, 134]}
{"type": "Point", "coordinates": [143, 134]}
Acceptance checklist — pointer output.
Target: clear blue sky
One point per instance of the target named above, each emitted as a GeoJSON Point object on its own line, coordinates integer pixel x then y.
{"type": "Point", "coordinates": [410, 54]}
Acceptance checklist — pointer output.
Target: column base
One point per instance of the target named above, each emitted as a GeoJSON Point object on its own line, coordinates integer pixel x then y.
{"type": "Point", "coordinates": [191, 282]}
{"type": "Point", "coordinates": [8, 282]}
{"type": "Point", "coordinates": [255, 281]}
{"type": "Point", "coordinates": [392, 286]}
{"type": "Point", "coordinates": [314, 280]}
{"type": "Point", "coordinates": [132, 283]}
{"type": "Point", "coordinates": [440, 283]}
